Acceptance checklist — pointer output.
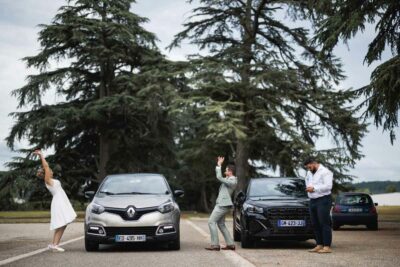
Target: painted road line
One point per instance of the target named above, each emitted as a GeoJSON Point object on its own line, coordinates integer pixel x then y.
{"type": "Point", "coordinates": [198, 229]}
{"type": "Point", "coordinates": [231, 255]}
{"type": "Point", "coordinates": [32, 253]}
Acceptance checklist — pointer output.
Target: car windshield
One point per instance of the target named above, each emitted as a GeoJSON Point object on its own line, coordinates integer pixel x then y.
{"type": "Point", "coordinates": [354, 200]}
{"type": "Point", "coordinates": [272, 187]}
{"type": "Point", "coordinates": [134, 184]}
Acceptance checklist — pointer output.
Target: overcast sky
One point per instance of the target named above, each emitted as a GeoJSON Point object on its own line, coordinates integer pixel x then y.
{"type": "Point", "coordinates": [18, 27]}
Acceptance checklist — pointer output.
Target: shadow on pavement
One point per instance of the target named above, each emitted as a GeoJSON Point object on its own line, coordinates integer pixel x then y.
{"type": "Point", "coordinates": [132, 247]}
{"type": "Point", "coordinates": [275, 244]}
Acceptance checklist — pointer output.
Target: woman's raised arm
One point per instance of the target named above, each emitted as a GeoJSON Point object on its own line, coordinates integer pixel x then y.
{"type": "Point", "coordinates": [48, 173]}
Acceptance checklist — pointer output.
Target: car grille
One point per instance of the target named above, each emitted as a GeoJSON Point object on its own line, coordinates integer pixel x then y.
{"type": "Point", "coordinates": [275, 214]}
{"type": "Point", "coordinates": [123, 214]}
{"type": "Point", "coordinates": [145, 230]}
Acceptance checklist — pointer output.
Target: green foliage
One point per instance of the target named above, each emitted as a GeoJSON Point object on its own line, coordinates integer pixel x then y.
{"type": "Point", "coordinates": [391, 188]}
{"type": "Point", "coordinates": [363, 190]}
{"type": "Point", "coordinates": [342, 21]}
{"type": "Point", "coordinates": [265, 89]}
{"type": "Point", "coordinates": [377, 187]}
{"type": "Point", "coordinates": [115, 89]}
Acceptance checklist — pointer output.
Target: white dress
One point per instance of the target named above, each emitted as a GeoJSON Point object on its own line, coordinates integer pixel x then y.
{"type": "Point", "coordinates": [62, 212]}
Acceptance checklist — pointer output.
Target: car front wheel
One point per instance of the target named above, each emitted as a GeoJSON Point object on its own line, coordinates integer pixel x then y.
{"type": "Point", "coordinates": [236, 233]}
{"type": "Point", "coordinates": [91, 245]}
{"type": "Point", "coordinates": [246, 240]}
{"type": "Point", "coordinates": [176, 244]}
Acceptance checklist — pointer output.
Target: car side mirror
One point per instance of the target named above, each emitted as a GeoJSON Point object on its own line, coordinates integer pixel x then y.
{"type": "Point", "coordinates": [89, 194]}
{"type": "Point", "coordinates": [179, 193]}
{"type": "Point", "coordinates": [240, 198]}
{"type": "Point", "coordinates": [376, 204]}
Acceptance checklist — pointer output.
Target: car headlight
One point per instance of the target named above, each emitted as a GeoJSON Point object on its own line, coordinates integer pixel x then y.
{"type": "Point", "coordinates": [97, 209]}
{"type": "Point", "coordinates": [252, 208]}
{"type": "Point", "coordinates": [166, 207]}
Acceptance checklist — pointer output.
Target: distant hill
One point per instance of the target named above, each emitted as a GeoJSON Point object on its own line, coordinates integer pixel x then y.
{"type": "Point", "coordinates": [377, 187]}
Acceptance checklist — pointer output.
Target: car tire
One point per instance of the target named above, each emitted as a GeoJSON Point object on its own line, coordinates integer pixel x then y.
{"type": "Point", "coordinates": [373, 226]}
{"type": "Point", "coordinates": [236, 233]}
{"type": "Point", "coordinates": [335, 226]}
{"type": "Point", "coordinates": [91, 245]}
{"type": "Point", "coordinates": [246, 240]}
{"type": "Point", "coordinates": [176, 244]}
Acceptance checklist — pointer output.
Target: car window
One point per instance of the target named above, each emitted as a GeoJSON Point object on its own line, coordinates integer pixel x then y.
{"type": "Point", "coordinates": [277, 188]}
{"type": "Point", "coordinates": [352, 200]}
{"type": "Point", "coordinates": [146, 184]}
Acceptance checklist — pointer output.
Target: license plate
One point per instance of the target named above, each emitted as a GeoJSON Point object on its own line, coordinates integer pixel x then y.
{"type": "Point", "coordinates": [130, 238]}
{"type": "Point", "coordinates": [355, 210]}
{"type": "Point", "coordinates": [291, 223]}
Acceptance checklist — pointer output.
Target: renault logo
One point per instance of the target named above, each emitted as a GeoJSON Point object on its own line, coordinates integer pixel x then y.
{"type": "Point", "coordinates": [130, 212]}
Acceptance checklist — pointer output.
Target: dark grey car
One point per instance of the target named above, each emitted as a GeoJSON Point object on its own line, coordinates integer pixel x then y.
{"type": "Point", "coordinates": [133, 208]}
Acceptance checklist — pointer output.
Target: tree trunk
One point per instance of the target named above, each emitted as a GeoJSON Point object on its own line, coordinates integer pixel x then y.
{"type": "Point", "coordinates": [104, 142]}
{"type": "Point", "coordinates": [242, 149]}
{"type": "Point", "coordinates": [242, 165]}
{"type": "Point", "coordinates": [104, 155]}
{"type": "Point", "coordinates": [204, 200]}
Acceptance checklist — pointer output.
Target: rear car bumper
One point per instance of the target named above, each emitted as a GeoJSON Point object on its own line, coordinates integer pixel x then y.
{"type": "Point", "coordinates": [354, 219]}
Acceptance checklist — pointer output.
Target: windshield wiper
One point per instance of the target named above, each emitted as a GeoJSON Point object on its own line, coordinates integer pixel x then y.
{"type": "Point", "coordinates": [107, 193]}
{"type": "Point", "coordinates": [274, 197]}
{"type": "Point", "coordinates": [135, 193]}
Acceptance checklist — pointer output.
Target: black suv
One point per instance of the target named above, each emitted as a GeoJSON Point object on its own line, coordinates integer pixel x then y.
{"type": "Point", "coordinates": [274, 209]}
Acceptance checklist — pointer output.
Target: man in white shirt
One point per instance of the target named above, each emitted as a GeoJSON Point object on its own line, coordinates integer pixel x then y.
{"type": "Point", "coordinates": [319, 186]}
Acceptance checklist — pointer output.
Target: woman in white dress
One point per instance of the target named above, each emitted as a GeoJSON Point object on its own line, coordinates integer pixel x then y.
{"type": "Point", "coordinates": [62, 212]}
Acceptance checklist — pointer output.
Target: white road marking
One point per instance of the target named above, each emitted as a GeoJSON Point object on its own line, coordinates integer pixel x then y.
{"type": "Point", "coordinates": [231, 255]}
{"type": "Point", "coordinates": [22, 256]}
{"type": "Point", "coordinates": [198, 229]}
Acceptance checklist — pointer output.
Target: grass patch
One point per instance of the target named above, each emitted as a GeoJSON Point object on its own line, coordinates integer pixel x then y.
{"type": "Point", "coordinates": [40, 216]}
{"type": "Point", "coordinates": [388, 213]}
{"type": "Point", "coordinates": [43, 216]}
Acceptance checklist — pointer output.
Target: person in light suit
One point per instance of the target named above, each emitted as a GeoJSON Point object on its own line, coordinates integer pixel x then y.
{"type": "Point", "coordinates": [222, 207]}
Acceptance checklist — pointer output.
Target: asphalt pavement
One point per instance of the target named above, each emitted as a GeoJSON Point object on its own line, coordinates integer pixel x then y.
{"type": "Point", "coordinates": [25, 245]}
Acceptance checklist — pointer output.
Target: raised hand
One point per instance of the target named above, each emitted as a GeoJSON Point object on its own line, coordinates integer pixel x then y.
{"type": "Point", "coordinates": [220, 161]}
{"type": "Point", "coordinates": [38, 152]}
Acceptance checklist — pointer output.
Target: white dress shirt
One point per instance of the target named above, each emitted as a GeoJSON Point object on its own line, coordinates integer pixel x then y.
{"type": "Point", "coordinates": [321, 181]}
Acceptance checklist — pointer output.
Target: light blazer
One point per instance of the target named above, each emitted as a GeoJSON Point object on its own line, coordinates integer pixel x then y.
{"type": "Point", "coordinates": [226, 189]}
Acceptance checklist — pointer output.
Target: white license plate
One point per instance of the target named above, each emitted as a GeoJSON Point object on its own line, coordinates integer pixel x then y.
{"type": "Point", "coordinates": [291, 223]}
{"type": "Point", "coordinates": [130, 238]}
{"type": "Point", "coordinates": [355, 210]}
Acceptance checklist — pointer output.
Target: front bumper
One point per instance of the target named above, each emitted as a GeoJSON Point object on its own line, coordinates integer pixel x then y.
{"type": "Point", "coordinates": [111, 232]}
{"type": "Point", "coordinates": [262, 226]}
{"type": "Point", "coordinates": [103, 228]}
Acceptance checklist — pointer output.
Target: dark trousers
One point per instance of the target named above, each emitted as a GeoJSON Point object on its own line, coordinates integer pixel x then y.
{"type": "Point", "coordinates": [321, 219]}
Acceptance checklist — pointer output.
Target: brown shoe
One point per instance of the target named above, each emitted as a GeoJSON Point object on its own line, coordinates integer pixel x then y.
{"type": "Point", "coordinates": [316, 249]}
{"type": "Point", "coordinates": [213, 248]}
{"type": "Point", "coordinates": [325, 250]}
{"type": "Point", "coordinates": [230, 247]}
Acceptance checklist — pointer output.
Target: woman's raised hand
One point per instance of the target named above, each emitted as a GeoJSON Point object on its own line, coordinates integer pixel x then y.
{"type": "Point", "coordinates": [220, 161]}
{"type": "Point", "coordinates": [38, 152]}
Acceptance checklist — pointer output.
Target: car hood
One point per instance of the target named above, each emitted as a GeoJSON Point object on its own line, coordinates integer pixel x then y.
{"type": "Point", "coordinates": [138, 201]}
{"type": "Point", "coordinates": [268, 203]}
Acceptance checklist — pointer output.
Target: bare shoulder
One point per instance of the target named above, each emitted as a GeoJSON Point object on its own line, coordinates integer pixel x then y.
{"type": "Point", "coordinates": [49, 182]}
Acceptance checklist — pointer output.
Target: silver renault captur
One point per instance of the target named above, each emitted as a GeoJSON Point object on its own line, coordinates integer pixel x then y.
{"type": "Point", "coordinates": [137, 207]}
